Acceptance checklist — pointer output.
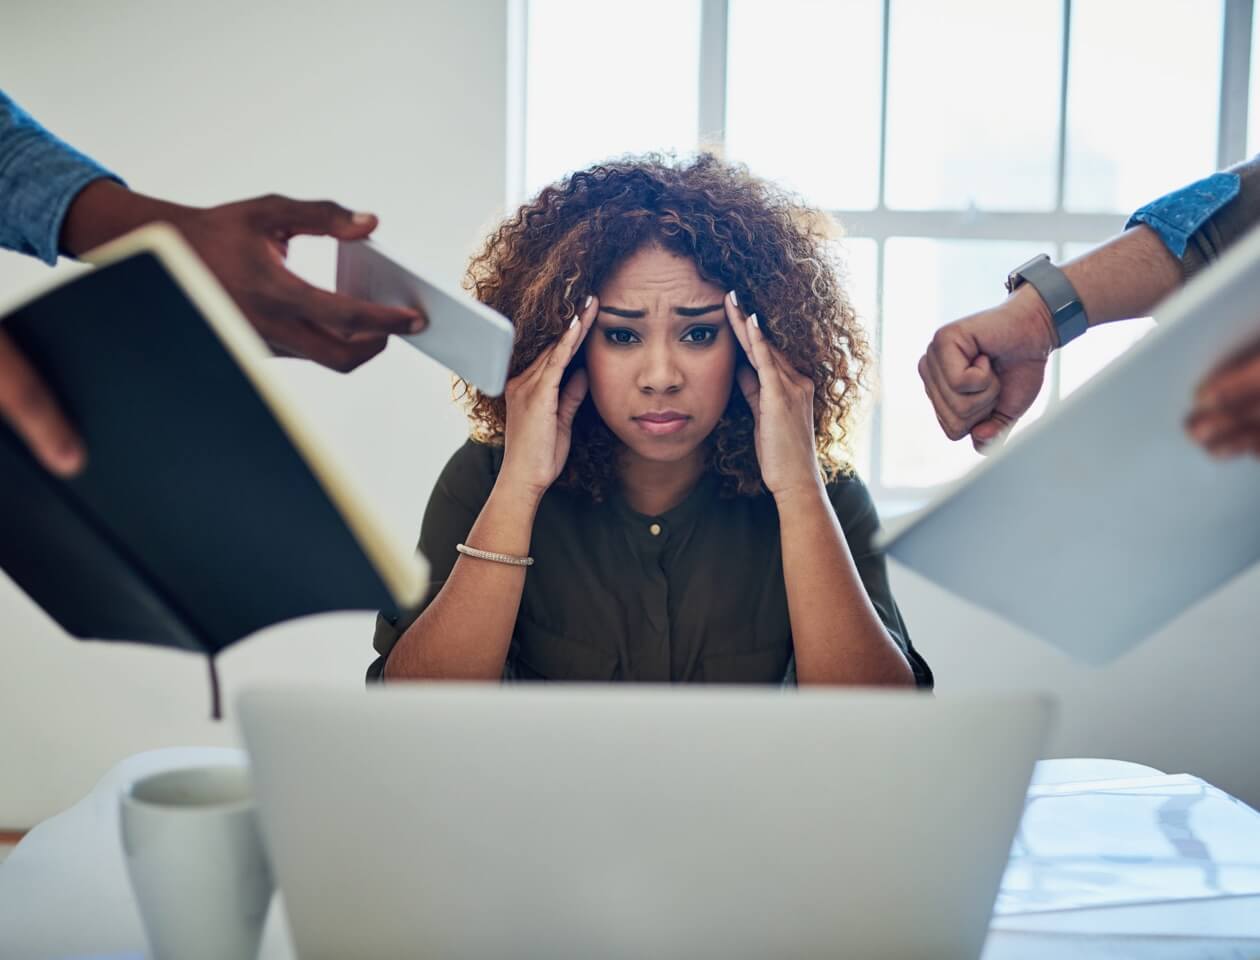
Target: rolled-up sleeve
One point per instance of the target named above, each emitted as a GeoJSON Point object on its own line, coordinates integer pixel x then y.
{"type": "Point", "coordinates": [40, 176]}
{"type": "Point", "coordinates": [860, 521]}
{"type": "Point", "coordinates": [1199, 222]}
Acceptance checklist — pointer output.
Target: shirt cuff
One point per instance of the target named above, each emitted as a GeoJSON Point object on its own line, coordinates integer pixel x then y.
{"type": "Point", "coordinates": [69, 187]}
{"type": "Point", "coordinates": [1177, 216]}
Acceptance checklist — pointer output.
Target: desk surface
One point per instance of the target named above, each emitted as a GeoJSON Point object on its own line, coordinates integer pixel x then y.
{"type": "Point", "coordinates": [71, 866]}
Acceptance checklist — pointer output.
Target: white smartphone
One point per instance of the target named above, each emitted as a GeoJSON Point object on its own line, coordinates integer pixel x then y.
{"type": "Point", "coordinates": [463, 334]}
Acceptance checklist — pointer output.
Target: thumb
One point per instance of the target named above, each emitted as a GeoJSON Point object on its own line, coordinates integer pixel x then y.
{"type": "Point", "coordinates": [318, 218]}
{"type": "Point", "coordinates": [988, 435]}
{"type": "Point", "coordinates": [571, 396]}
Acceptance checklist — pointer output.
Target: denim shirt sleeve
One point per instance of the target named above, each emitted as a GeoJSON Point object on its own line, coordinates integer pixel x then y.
{"type": "Point", "coordinates": [39, 177]}
{"type": "Point", "coordinates": [1177, 216]}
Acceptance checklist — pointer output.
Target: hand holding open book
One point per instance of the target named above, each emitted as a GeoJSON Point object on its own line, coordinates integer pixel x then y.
{"type": "Point", "coordinates": [207, 508]}
{"type": "Point", "coordinates": [244, 245]}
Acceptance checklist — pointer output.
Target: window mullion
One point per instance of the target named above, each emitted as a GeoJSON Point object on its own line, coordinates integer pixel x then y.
{"type": "Point", "coordinates": [883, 108]}
{"type": "Point", "coordinates": [711, 124]}
{"type": "Point", "coordinates": [1231, 143]}
{"type": "Point", "coordinates": [1060, 188]}
{"type": "Point", "coordinates": [1012, 225]}
{"type": "Point", "coordinates": [517, 98]}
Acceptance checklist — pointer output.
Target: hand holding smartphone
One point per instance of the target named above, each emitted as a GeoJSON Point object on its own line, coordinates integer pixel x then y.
{"type": "Point", "coordinates": [463, 334]}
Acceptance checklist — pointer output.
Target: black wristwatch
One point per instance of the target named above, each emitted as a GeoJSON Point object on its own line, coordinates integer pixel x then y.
{"type": "Point", "coordinates": [1066, 309]}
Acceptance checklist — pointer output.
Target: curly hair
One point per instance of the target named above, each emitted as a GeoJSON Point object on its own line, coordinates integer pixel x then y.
{"type": "Point", "coordinates": [742, 234]}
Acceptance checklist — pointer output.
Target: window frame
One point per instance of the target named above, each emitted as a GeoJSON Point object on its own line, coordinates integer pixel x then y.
{"type": "Point", "coordinates": [881, 223]}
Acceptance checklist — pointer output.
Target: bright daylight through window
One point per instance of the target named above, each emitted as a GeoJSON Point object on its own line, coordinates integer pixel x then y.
{"type": "Point", "coordinates": [952, 140]}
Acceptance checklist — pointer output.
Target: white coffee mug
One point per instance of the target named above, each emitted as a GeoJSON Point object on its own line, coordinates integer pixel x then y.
{"type": "Point", "coordinates": [197, 863]}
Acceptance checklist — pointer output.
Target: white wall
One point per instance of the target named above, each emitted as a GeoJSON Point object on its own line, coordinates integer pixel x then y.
{"type": "Point", "coordinates": [400, 108]}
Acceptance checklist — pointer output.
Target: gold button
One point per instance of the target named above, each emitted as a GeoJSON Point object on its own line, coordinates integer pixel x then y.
{"type": "Point", "coordinates": [655, 529]}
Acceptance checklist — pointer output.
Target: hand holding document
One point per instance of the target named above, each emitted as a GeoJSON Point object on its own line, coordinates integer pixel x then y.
{"type": "Point", "coordinates": [1104, 520]}
{"type": "Point", "coordinates": [463, 334]}
{"type": "Point", "coordinates": [1226, 414]}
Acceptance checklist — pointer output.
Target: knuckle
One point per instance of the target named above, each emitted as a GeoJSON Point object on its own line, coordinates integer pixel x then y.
{"type": "Point", "coordinates": [1231, 393]}
{"type": "Point", "coordinates": [350, 356]}
{"type": "Point", "coordinates": [327, 208]}
{"type": "Point", "coordinates": [943, 337]}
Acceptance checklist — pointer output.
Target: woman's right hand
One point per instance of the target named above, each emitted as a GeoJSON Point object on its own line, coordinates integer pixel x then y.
{"type": "Point", "coordinates": [539, 420]}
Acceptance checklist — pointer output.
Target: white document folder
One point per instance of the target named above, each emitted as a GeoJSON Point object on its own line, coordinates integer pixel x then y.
{"type": "Point", "coordinates": [1103, 521]}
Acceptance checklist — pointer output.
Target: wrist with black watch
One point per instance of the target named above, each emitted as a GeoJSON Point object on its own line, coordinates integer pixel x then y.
{"type": "Point", "coordinates": [1067, 313]}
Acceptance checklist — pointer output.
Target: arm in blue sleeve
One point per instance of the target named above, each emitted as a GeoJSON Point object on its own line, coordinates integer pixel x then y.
{"type": "Point", "coordinates": [1201, 222]}
{"type": "Point", "coordinates": [39, 177]}
{"type": "Point", "coordinates": [1177, 216]}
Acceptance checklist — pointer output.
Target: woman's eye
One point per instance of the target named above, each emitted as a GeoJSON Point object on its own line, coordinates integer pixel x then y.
{"type": "Point", "coordinates": [620, 336]}
{"type": "Point", "coordinates": [699, 335]}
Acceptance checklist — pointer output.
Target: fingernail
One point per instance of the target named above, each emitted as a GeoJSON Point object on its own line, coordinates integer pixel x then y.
{"type": "Point", "coordinates": [754, 321]}
{"type": "Point", "coordinates": [418, 324]}
{"type": "Point", "coordinates": [362, 218]}
{"type": "Point", "coordinates": [734, 299]}
{"type": "Point", "coordinates": [70, 457]}
{"type": "Point", "coordinates": [589, 298]}
{"type": "Point", "coordinates": [574, 322]}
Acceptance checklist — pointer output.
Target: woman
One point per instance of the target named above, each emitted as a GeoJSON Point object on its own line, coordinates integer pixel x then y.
{"type": "Point", "coordinates": [658, 496]}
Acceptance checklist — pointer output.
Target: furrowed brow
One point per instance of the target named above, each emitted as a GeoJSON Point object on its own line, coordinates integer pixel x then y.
{"type": "Point", "coordinates": [697, 311]}
{"type": "Point", "coordinates": [621, 312]}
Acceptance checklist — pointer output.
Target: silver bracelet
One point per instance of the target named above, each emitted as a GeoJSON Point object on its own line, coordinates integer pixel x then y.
{"type": "Point", "coordinates": [507, 558]}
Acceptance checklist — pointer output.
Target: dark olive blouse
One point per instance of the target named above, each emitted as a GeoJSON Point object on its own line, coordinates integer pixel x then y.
{"type": "Point", "coordinates": [693, 595]}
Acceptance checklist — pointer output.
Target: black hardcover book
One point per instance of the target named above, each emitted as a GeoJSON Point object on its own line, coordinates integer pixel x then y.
{"type": "Point", "coordinates": [206, 510]}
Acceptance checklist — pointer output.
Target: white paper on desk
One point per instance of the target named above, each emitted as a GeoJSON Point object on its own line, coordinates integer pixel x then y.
{"type": "Point", "coordinates": [1124, 842]}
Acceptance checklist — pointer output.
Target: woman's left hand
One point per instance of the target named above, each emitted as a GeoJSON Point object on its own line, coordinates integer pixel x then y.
{"type": "Point", "coordinates": [782, 402]}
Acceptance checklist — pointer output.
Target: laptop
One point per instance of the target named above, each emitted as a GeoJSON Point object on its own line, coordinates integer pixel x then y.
{"type": "Point", "coordinates": [480, 821]}
{"type": "Point", "coordinates": [1102, 521]}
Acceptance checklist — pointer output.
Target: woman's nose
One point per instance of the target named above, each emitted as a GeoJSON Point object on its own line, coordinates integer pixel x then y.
{"type": "Point", "coordinates": [660, 373]}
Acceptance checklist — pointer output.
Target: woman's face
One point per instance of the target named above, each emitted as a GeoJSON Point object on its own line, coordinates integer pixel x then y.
{"type": "Point", "coordinates": [661, 357]}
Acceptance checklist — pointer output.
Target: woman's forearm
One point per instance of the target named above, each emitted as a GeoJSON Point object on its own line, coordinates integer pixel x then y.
{"type": "Point", "coordinates": [837, 636]}
{"type": "Point", "coordinates": [464, 634]}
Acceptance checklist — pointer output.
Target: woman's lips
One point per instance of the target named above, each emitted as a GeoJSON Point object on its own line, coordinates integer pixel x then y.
{"type": "Point", "coordinates": [660, 424]}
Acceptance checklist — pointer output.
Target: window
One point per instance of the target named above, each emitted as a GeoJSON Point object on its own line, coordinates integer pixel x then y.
{"type": "Point", "coordinates": [951, 140]}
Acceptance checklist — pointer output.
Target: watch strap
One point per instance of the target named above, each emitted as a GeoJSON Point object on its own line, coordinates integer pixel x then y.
{"type": "Point", "coordinates": [1056, 290]}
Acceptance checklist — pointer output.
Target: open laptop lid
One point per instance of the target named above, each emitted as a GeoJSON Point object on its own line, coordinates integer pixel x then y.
{"type": "Point", "coordinates": [1103, 521]}
{"type": "Point", "coordinates": [554, 821]}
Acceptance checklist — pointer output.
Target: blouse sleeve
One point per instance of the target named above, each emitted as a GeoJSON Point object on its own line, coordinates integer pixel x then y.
{"type": "Point", "coordinates": [454, 505]}
{"type": "Point", "coordinates": [858, 518]}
